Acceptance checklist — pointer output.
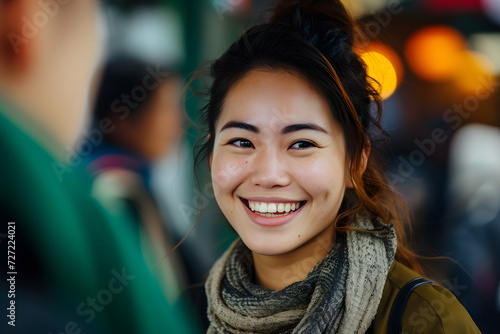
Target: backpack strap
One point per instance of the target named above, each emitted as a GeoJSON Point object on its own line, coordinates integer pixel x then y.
{"type": "Point", "coordinates": [398, 306]}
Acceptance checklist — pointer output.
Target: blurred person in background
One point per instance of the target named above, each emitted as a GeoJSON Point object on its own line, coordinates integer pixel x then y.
{"type": "Point", "coordinates": [76, 268]}
{"type": "Point", "coordinates": [473, 221]}
{"type": "Point", "coordinates": [141, 101]}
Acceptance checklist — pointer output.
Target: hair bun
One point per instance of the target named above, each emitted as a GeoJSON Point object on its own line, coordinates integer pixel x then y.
{"type": "Point", "coordinates": [324, 23]}
{"type": "Point", "coordinates": [319, 13]}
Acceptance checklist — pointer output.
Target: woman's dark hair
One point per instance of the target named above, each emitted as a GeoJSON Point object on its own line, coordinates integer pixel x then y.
{"type": "Point", "coordinates": [315, 40]}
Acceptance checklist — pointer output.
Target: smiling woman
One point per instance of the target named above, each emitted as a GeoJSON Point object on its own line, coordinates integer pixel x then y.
{"type": "Point", "coordinates": [299, 164]}
{"type": "Point", "coordinates": [291, 122]}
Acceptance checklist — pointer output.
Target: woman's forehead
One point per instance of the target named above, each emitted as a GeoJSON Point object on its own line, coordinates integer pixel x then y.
{"type": "Point", "coordinates": [272, 98]}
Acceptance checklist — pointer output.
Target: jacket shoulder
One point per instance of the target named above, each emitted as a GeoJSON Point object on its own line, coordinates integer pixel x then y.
{"type": "Point", "coordinates": [430, 308]}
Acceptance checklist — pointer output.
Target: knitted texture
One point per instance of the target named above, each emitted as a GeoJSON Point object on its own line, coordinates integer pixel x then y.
{"type": "Point", "coordinates": [340, 294]}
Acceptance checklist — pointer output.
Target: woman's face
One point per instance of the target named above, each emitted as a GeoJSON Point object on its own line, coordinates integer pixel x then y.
{"type": "Point", "coordinates": [278, 164]}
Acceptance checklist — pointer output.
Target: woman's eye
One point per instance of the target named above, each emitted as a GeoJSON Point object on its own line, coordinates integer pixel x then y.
{"type": "Point", "coordinates": [241, 142]}
{"type": "Point", "coordinates": [302, 144]}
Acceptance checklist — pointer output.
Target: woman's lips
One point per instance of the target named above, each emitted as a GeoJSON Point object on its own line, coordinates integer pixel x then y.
{"type": "Point", "coordinates": [272, 213]}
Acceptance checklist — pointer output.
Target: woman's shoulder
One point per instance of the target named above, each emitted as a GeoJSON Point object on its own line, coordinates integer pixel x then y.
{"type": "Point", "coordinates": [429, 309]}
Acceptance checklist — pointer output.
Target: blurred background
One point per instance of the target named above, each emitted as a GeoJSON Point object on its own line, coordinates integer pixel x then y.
{"type": "Point", "coordinates": [438, 65]}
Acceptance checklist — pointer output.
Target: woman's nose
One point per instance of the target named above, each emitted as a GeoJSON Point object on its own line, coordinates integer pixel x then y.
{"type": "Point", "coordinates": [270, 170]}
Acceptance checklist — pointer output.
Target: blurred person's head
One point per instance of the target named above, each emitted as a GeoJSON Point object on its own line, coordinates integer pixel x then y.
{"type": "Point", "coordinates": [474, 187]}
{"type": "Point", "coordinates": [141, 101]}
{"type": "Point", "coordinates": [47, 60]}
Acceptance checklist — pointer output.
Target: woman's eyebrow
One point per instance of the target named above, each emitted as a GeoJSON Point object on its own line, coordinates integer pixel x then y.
{"type": "Point", "coordinates": [302, 126]}
{"type": "Point", "coordinates": [287, 129]}
{"type": "Point", "coordinates": [240, 125]}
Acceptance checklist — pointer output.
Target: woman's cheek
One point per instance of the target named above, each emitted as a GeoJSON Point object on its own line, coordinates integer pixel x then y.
{"type": "Point", "coordinates": [319, 175]}
{"type": "Point", "coordinates": [228, 174]}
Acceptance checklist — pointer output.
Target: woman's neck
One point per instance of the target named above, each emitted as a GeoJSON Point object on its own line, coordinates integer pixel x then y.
{"type": "Point", "coordinates": [276, 272]}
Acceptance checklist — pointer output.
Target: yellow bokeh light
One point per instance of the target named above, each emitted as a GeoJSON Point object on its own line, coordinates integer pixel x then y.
{"type": "Point", "coordinates": [381, 70]}
{"type": "Point", "coordinates": [390, 54]}
{"type": "Point", "coordinates": [434, 53]}
{"type": "Point", "coordinates": [473, 67]}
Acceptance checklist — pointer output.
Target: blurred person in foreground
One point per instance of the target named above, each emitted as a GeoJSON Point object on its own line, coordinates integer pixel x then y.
{"type": "Point", "coordinates": [76, 268]}
{"type": "Point", "coordinates": [141, 100]}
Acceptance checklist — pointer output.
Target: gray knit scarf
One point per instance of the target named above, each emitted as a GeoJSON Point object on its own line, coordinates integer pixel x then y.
{"type": "Point", "coordinates": [340, 294]}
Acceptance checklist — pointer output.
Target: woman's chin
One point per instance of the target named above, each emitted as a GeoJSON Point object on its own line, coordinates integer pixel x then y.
{"type": "Point", "coordinates": [269, 247]}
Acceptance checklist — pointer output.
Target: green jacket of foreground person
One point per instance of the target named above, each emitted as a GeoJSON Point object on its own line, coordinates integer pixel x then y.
{"type": "Point", "coordinates": [76, 268]}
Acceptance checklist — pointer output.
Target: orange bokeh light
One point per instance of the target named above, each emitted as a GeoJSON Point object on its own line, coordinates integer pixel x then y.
{"type": "Point", "coordinates": [435, 53]}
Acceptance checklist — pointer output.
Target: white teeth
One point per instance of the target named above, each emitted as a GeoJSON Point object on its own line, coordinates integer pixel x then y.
{"type": "Point", "coordinates": [273, 209]}
{"type": "Point", "coordinates": [281, 207]}
{"type": "Point", "coordinates": [263, 207]}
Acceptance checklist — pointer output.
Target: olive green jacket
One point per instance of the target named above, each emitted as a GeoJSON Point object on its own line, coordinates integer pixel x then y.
{"type": "Point", "coordinates": [430, 308]}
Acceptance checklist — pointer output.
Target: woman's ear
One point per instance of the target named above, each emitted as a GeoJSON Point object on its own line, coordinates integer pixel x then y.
{"type": "Point", "coordinates": [365, 154]}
